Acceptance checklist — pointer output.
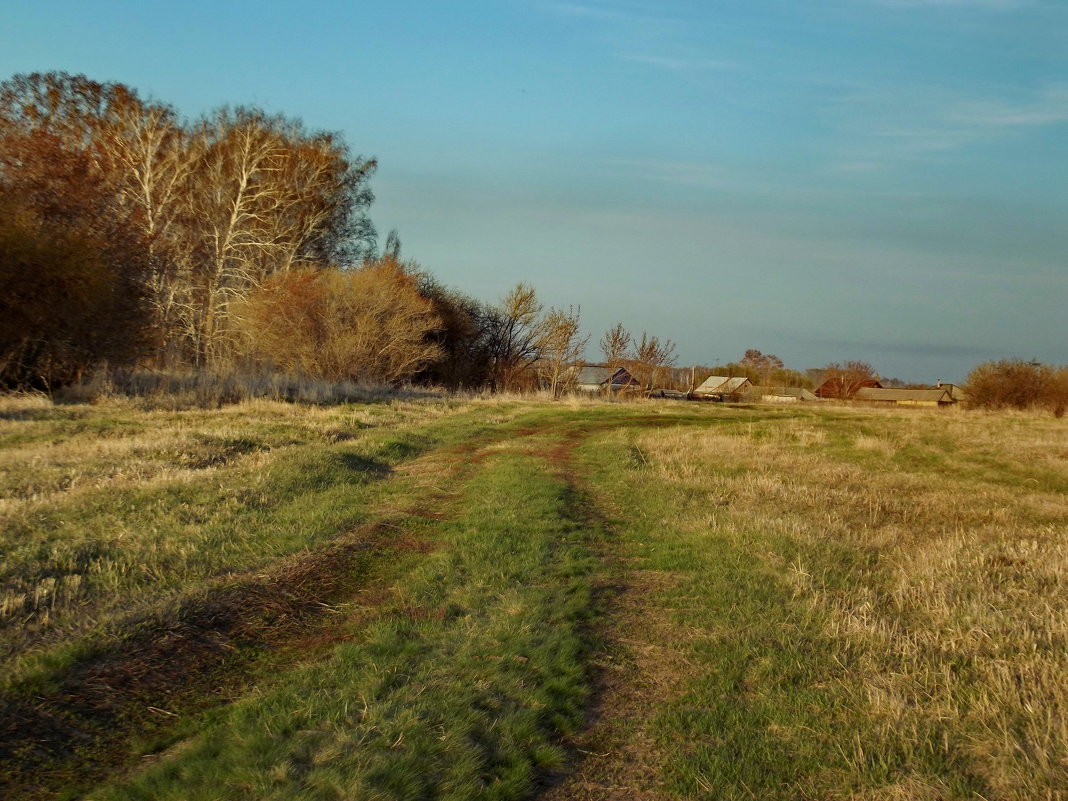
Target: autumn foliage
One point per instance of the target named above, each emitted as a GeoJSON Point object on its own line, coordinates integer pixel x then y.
{"type": "Point", "coordinates": [131, 235]}
{"type": "Point", "coordinates": [216, 206]}
{"type": "Point", "coordinates": [72, 268]}
{"type": "Point", "coordinates": [1016, 384]}
{"type": "Point", "coordinates": [370, 324]}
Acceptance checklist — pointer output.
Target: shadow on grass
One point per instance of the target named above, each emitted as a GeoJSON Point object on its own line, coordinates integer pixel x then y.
{"type": "Point", "coordinates": [372, 468]}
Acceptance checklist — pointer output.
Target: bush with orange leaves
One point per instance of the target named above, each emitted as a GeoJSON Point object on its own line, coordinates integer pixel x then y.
{"type": "Point", "coordinates": [1016, 384]}
{"type": "Point", "coordinates": [370, 324]}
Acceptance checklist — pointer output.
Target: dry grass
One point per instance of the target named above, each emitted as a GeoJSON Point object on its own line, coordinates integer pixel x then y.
{"type": "Point", "coordinates": [960, 619]}
{"type": "Point", "coordinates": [102, 504]}
{"type": "Point", "coordinates": [919, 562]}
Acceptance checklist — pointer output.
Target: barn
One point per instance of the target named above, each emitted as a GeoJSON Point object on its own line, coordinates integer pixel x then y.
{"type": "Point", "coordinates": [940, 396]}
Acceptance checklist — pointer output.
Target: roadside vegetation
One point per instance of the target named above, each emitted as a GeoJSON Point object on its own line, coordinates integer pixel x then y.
{"type": "Point", "coordinates": [503, 598]}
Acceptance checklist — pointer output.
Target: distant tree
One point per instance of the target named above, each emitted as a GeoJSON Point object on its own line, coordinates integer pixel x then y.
{"type": "Point", "coordinates": [843, 380]}
{"type": "Point", "coordinates": [615, 348]}
{"type": "Point", "coordinates": [649, 356]}
{"type": "Point", "coordinates": [561, 347]}
{"type": "Point", "coordinates": [759, 367]}
{"type": "Point", "coordinates": [813, 375]}
{"type": "Point", "coordinates": [392, 247]}
{"type": "Point", "coordinates": [464, 335]}
{"type": "Point", "coordinates": [1056, 395]}
{"type": "Point", "coordinates": [517, 337]}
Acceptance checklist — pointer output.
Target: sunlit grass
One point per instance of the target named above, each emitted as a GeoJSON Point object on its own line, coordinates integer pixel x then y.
{"type": "Point", "coordinates": [96, 524]}
{"type": "Point", "coordinates": [461, 693]}
{"type": "Point", "coordinates": [842, 603]}
{"type": "Point", "coordinates": [881, 601]}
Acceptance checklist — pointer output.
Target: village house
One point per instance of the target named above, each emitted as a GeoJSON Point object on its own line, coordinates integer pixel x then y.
{"type": "Point", "coordinates": [598, 378]}
{"type": "Point", "coordinates": [939, 396]}
{"type": "Point", "coordinates": [778, 394]}
{"type": "Point", "coordinates": [723, 388]}
{"type": "Point", "coordinates": [956, 392]}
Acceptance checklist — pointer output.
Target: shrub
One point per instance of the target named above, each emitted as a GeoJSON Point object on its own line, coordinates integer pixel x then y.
{"type": "Point", "coordinates": [1016, 384]}
{"type": "Point", "coordinates": [369, 324]}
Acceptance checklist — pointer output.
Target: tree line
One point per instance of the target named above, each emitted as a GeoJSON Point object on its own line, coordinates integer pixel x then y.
{"type": "Point", "coordinates": [146, 231]}
{"type": "Point", "coordinates": [241, 239]}
{"type": "Point", "coordinates": [129, 234]}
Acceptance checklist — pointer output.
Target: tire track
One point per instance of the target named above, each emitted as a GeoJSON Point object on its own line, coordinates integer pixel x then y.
{"type": "Point", "coordinates": [636, 665]}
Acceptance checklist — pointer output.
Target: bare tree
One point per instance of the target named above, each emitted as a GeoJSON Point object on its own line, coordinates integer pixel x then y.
{"type": "Point", "coordinates": [843, 380]}
{"type": "Point", "coordinates": [760, 365]}
{"type": "Point", "coordinates": [649, 356]}
{"type": "Point", "coordinates": [615, 347]}
{"type": "Point", "coordinates": [561, 345]}
{"type": "Point", "coordinates": [518, 336]}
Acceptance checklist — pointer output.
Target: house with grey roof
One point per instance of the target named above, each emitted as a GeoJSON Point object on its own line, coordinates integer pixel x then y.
{"type": "Point", "coordinates": [778, 394]}
{"type": "Point", "coordinates": [598, 378]}
{"type": "Point", "coordinates": [722, 387]}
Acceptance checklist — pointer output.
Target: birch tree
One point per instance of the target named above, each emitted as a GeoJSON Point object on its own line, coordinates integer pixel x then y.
{"type": "Point", "coordinates": [222, 203]}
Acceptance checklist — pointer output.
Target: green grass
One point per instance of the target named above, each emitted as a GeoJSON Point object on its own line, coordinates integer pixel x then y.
{"type": "Point", "coordinates": [810, 602]}
{"type": "Point", "coordinates": [771, 710]}
{"type": "Point", "coordinates": [461, 694]}
{"type": "Point", "coordinates": [218, 505]}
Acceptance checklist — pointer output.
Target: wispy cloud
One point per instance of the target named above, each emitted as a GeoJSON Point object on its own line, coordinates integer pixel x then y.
{"type": "Point", "coordinates": [968, 120]}
{"type": "Point", "coordinates": [858, 167]}
{"type": "Point", "coordinates": [689, 173]}
{"type": "Point", "coordinates": [895, 124]}
{"type": "Point", "coordinates": [1049, 108]}
{"type": "Point", "coordinates": [649, 34]}
{"type": "Point", "coordinates": [989, 5]}
{"type": "Point", "coordinates": [680, 64]}
{"type": "Point", "coordinates": [630, 13]}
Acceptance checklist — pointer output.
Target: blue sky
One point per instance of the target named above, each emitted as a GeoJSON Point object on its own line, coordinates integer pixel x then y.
{"type": "Point", "coordinates": [884, 180]}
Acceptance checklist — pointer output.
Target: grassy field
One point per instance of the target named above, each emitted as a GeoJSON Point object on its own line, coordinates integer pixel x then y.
{"type": "Point", "coordinates": [510, 599]}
